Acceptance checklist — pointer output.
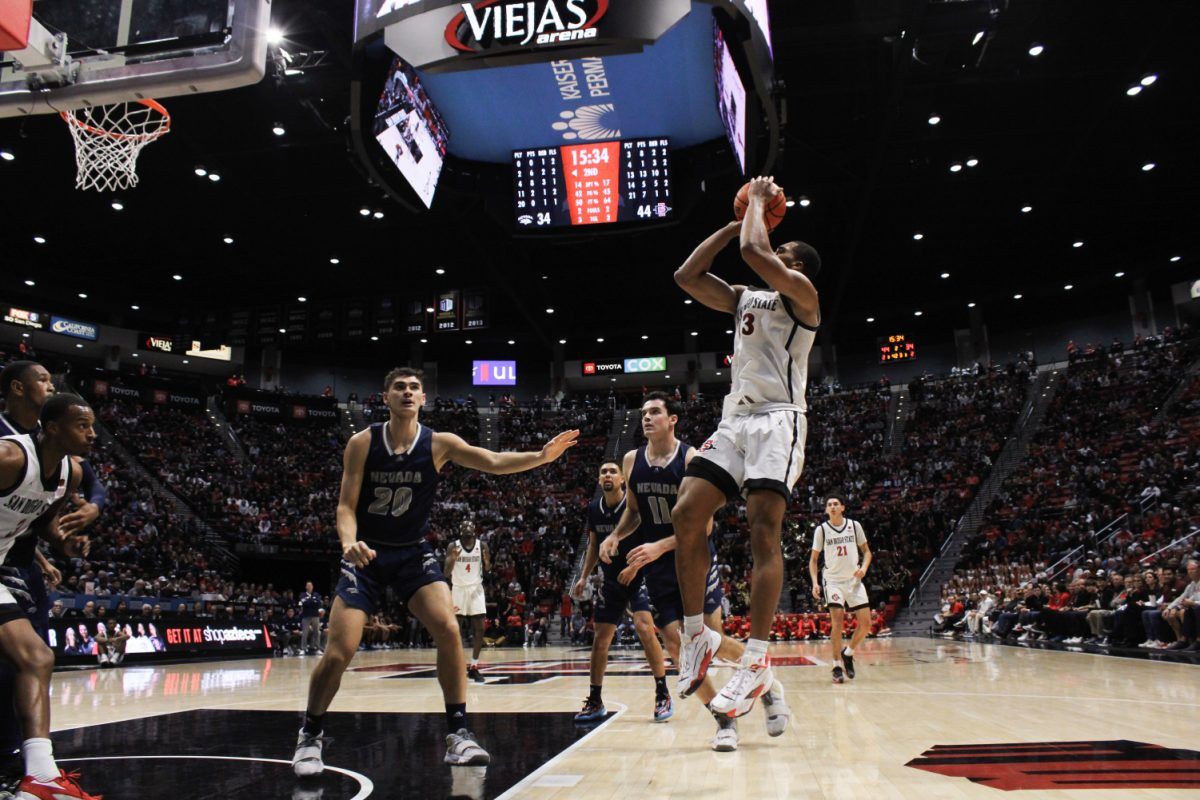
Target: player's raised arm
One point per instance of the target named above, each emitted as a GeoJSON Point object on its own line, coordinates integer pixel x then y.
{"type": "Point", "coordinates": [758, 253]}
{"type": "Point", "coordinates": [451, 447]}
{"type": "Point", "coordinates": [695, 279]}
{"type": "Point", "coordinates": [354, 461]}
{"type": "Point", "coordinates": [814, 557]}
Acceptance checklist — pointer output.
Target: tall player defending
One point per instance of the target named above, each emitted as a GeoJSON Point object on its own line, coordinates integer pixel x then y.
{"type": "Point", "coordinates": [466, 563]}
{"type": "Point", "coordinates": [655, 471]}
{"type": "Point", "coordinates": [389, 479]}
{"type": "Point", "coordinates": [37, 474]}
{"type": "Point", "coordinates": [615, 598]}
{"type": "Point", "coordinates": [841, 539]}
{"type": "Point", "coordinates": [758, 449]}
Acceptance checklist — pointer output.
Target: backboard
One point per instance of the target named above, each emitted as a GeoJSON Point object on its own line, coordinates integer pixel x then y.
{"type": "Point", "coordinates": [95, 52]}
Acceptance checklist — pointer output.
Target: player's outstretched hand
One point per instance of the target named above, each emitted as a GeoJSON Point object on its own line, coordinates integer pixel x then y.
{"type": "Point", "coordinates": [359, 554]}
{"type": "Point", "coordinates": [644, 554]}
{"type": "Point", "coordinates": [608, 548]}
{"type": "Point", "coordinates": [764, 188]}
{"type": "Point", "coordinates": [559, 445]}
{"type": "Point", "coordinates": [76, 521]}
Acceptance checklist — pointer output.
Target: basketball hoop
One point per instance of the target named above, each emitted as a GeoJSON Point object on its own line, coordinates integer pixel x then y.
{"type": "Point", "coordinates": [109, 138]}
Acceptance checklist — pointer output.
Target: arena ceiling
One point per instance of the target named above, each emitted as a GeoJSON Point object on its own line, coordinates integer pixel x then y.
{"type": "Point", "coordinates": [1057, 132]}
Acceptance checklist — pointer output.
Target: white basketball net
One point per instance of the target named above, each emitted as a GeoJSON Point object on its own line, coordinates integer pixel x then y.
{"type": "Point", "coordinates": [108, 140]}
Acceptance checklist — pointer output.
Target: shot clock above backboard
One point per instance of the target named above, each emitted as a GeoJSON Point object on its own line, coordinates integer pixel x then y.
{"type": "Point", "coordinates": [592, 184]}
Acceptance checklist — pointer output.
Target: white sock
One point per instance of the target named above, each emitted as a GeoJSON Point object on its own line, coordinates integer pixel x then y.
{"type": "Point", "coordinates": [39, 759]}
{"type": "Point", "coordinates": [756, 650]}
{"type": "Point", "coordinates": [474, 662]}
{"type": "Point", "coordinates": [693, 624]}
{"type": "Point", "coordinates": [849, 651]}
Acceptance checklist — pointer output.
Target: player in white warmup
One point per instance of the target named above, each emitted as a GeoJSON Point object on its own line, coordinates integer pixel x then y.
{"type": "Point", "coordinates": [758, 449]}
{"type": "Point", "coordinates": [466, 564]}
{"type": "Point", "coordinates": [841, 540]}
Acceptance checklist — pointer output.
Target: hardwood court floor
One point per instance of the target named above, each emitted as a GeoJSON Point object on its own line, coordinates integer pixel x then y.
{"type": "Point", "coordinates": [921, 717]}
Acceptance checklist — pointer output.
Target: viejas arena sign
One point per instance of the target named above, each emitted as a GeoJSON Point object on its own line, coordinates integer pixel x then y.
{"type": "Point", "coordinates": [488, 24]}
{"type": "Point", "coordinates": [444, 36]}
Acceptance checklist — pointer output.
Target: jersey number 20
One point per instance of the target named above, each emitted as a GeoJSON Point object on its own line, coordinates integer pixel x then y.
{"type": "Point", "coordinates": [389, 502]}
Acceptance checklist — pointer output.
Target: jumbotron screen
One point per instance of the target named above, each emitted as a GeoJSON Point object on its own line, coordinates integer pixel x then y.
{"type": "Point", "coordinates": [593, 183]}
{"type": "Point", "coordinates": [410, 129]}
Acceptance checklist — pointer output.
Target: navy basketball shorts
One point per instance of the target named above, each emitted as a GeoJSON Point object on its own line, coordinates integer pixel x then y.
{"type": "Point", "coordinates": [663, 586]}
{"type": "Point", "coordinates": [613, 598]}
{"type": "Point", "coordinates": [406, 569]}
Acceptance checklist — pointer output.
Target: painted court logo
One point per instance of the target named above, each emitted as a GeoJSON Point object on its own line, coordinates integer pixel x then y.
{"type": "Point", "coordinates": [1041, 766]}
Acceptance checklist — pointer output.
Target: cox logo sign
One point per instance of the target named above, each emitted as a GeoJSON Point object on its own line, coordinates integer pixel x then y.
{"type": "Point", "coordinates": [648, 364]}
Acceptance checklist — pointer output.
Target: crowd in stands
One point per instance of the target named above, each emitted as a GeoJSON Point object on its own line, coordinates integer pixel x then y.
{"type": "Point", "coordinates": [1089, 541]}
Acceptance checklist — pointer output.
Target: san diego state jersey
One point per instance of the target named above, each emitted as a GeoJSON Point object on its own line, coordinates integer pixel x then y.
{"type": "Point", "coordinates": [770, 355]}
{"type": "Point", "coordinates": [32, 496]}
{"type": "Point", "coordinates": [397, 490]}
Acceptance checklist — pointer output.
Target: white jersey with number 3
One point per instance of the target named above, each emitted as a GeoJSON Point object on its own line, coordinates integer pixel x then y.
{"type": "Point", "coordinates": [468, 567]}
{"type": "Point", "coordinates": [770, 355]}
{"type": "Point", "coordinates": [840, 546]}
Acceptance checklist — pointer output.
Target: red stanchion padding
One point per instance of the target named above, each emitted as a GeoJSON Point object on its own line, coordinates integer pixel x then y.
{"type": "Point", "coordinates": [14, 23]}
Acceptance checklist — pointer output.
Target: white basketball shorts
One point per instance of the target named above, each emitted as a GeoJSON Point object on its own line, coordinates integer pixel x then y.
{"type": "Point", "coordinates": [468, 600]}
{"type": "Point", "coordinates": [754, 451]}
{"type": "Point", "coordinates": [850, 595]}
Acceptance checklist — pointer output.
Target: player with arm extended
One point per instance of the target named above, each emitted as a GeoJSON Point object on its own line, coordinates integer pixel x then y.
{"type": "Point", "coordinates": [389, 480]}
{"type": "Point", "coordinates": [466, 563]}
{"type": "Point", "coordinates": [615, 599]}
{"type": "Point", "coordinates": [758, 450]}
{"type": "Point", "coordinates": [37, 474]}
{"type": "Point", "coordinates": [840, 540]}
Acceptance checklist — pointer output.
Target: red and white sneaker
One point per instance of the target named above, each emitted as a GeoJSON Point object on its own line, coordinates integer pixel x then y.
{"type": "Point", "coordinates": [750, 680]}
{"type": "Point", "coordinates": [64, 787]}
{"type": "Point", "coordinates": [696, 655]}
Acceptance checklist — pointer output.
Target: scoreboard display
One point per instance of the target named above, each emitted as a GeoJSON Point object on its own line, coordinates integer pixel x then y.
{"type": "Point", "coordinates": [592, 184]}
{"type": "Point", "coordinates": [896, 347]}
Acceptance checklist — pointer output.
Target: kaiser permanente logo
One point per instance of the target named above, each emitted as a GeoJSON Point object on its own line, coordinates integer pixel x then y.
{"type": "Point", "coordinates": [69, 327]}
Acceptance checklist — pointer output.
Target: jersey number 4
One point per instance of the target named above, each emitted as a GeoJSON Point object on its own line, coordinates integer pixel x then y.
{"type": "Point", "coordinates": [391, 502]}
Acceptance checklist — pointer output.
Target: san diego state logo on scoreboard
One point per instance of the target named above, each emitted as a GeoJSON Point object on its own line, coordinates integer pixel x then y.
{"type": "Point", "coordinates": [491, 24]}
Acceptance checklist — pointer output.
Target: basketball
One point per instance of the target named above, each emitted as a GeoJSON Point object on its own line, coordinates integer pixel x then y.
{"type": "Point", "coordinates": [774, 214]}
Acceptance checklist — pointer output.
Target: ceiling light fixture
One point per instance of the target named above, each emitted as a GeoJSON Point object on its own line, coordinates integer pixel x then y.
{"type": "Point", "coordinates": [301, 299]}
{"type": "Point", "coordinates": [918, 313]}
{"type": "Point", "coordinates": [274, 35]}
{"type": "Point", "coordinates": [549, 310]}
{"type": "Point", "coordinates": [117, 205]}
{"type": "Point", "coordinates": [934, 119]}
{"type": "Point", "coordinates": [1149, 165]}
{"type": "Point", "coordinates": [978, 38]}
{"type": "Point", "coordinates": [283, 330]}
{"type": "Point", "coordinates": [29, 282]}
{"type": "Point", "coordinates": [214, 177]}
{"type": "Point", "coordinates": [1176, 259]}
{"type": "Point", "coordinates": [1026, 209]}
{"type": "Point", "coordinates": [562, 341]}
{"type": "Point", "coordinates": [600, 340]}
{"type": "Point", "coordinates": [687, 302]}
{"type": "Point", "coordinates": [40, 239]}
{"type": "Point", "coordinates": [470, 341]}
{"type": "Point", "coordinates": [374, 338]}
{"type": "Point", "coordinates": [278, 130]}
{"type": "Point", "coordinates": [7, 156]}
{"type": "Point", "coordinates": [1077, 245]}
{"type": "Point", "coordinates": [83, 295]}
{"type": "Point", "coordinates": [378, 215]}
{"type": "Point", "coordinates": [429, 310]}
{"type": "Point", "coordinates": [424, 341]}
{"type": "Point", "coordinates": [440, 271]}
{"type": "Point", "coordinates": [956, 167]}
{"type": "Point", "coordinates": [335, 261]}
{"type": "Point", "coordinates": [201, 171]}
{"type": "Point", "coordinates": [1119, 275]}
{"type": "Point", "coordinates": [695, 333]}
{"type": "Point", "coordinates": [644, 337]}
{"type": "Point", "coordinates": [805, 202]}
{"type": "Point", "coordinates": [918, 236]}
{"type": "Point", "coordinates": [1037, 49]}
{"type": "Point", "coordinates": [1149, 79]}
{"type": "Point", "coordinates": [228, 240]}
{"type": "Point", "coordinates": [972, 162]}
{"type": "Point", "coordinates": [366, 212]}
{"type": "Point", "coordinates": [791, 203]}
{"type": "Point", "coordinates": [511, 341]}
{"type": "Point", "coordinates": [1017, 296]}
{"type": "Point", "coordinates": [136, 308]}
{"type": "Point", "coordinates": [177, 277]}
{"type": "Point", "coordinates": [1134, 91]}
{"type": "Point", "coordinates": [1069, 287]}
{"type": "Point", "coordinates": [945, 275]}
{"type": "Point", "coordinates": [870, 319]}
{"type": "Point", "coordinates": [970, 305]}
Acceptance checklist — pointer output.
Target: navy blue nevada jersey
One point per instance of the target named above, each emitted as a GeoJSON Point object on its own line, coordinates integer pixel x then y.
{"type": "Point", "coordinates": [657, 489]}
{"type": "Point", "coordinates": [602, 521]}
{"type": "Point", "coordinates": [397, 490]}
